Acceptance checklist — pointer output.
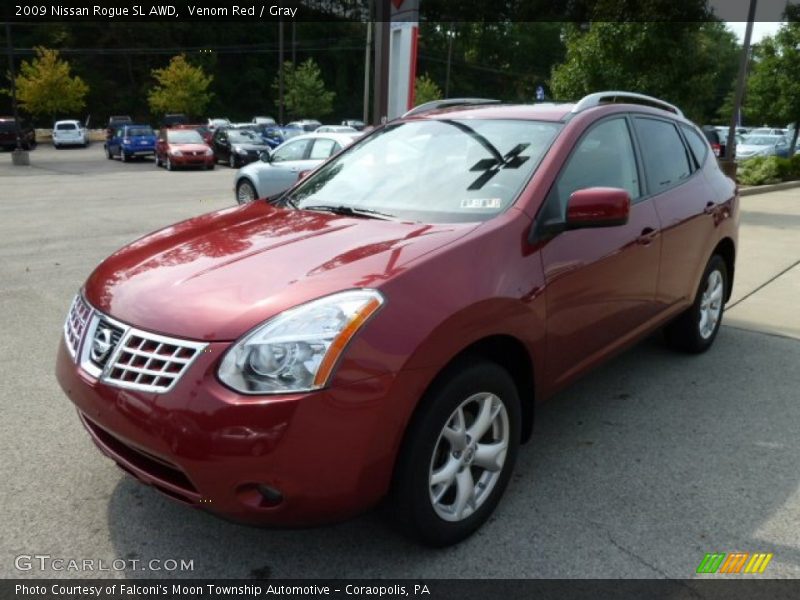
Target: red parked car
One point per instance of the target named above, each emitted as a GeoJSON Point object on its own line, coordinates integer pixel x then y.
{"type": "Point", "coordinates": [182, 148]}
{"type": "Point", "coordinates": [205, 132]}
{"type": "Point", "coordinates": [387, 326]}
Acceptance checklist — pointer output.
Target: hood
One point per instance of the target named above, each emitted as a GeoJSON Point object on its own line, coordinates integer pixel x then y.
{"type": "Point", "coordinates": [189, 147]}
{"type": "Point", "coordinates": [216, 276]}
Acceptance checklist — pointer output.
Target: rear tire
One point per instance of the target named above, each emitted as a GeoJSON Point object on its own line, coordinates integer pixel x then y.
{"type": "Point", "coordinates": [245, 192]}
{"type": "Point", "coordinates": [109, 156]}
{"type": "Point", "coordinates": [458, 453]}
{"type": "Point", "coordinates": [695, 330]}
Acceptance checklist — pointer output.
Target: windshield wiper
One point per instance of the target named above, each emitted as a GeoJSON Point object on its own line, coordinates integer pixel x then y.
{"type": "Point", "coordinates": [350, 211]}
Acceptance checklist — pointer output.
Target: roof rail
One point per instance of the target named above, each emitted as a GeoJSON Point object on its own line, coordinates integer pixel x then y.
{"type": "Point", "coordinates": [437, 104]}
{"type": "Point", "coordinates": [614, 97]}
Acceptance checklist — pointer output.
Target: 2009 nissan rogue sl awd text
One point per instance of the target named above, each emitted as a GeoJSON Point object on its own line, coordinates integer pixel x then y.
{"type": "Point", "coordinates": [386, 326]}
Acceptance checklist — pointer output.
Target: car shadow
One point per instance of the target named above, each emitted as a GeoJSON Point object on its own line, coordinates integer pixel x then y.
{"type": "Point", "coordinates": [637, 470]}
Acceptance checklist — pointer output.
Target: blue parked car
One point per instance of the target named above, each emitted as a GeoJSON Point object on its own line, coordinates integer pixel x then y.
{"type": "Point", "coordinates": [271, 134]}
{"type": "Point", "coordinates": [131, 141]}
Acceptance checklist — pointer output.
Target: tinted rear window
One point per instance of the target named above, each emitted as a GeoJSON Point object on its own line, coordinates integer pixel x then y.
{"type": "Point", "coordinates": [65, 126]}
{"type": "Point", "coordinates": [7, 126]}
{"type": "Point", "coordinates": [698, 145]}
{"type": "Point", "coordinates": [139, 131]}
{"type": "Point", "coordinates": [665, 160]}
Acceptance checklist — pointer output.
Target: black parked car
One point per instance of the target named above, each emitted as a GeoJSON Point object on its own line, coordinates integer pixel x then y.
{"type": "Point", "coordinates": [174, 119]}
{"type": "Point", "coordinates": [716, 140]}
{"type": "Point", "coordinates": [237, 147]}
{"type": "Point", "coordinates": [8, 134]}
{"type": "Point", "coordinates": [115, 122]}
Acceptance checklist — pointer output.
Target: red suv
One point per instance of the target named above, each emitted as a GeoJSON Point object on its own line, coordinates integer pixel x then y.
{"type": "Point", "coordinates": [387, 326]}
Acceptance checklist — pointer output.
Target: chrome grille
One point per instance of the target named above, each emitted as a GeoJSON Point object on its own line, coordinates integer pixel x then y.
{"type": "Point", "coordinates": [75, 325]}
{"type": "Point", "coordinates": [149, 362]}
{"type": "Point", "coordinates": [124, 356]}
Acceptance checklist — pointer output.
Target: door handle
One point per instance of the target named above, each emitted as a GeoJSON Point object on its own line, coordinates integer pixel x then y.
{"type": "Point", "coordinates": [647, 236]}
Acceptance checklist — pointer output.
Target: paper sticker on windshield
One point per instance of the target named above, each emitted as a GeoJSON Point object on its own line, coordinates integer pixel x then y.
{"type": "Point", "coordinates": [480, 203]}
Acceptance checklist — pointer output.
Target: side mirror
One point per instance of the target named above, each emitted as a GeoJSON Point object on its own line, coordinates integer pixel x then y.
{"type": "Point", "coordinates": [265, 156]}
{"type": "Point", "coordinates": [598, 207]}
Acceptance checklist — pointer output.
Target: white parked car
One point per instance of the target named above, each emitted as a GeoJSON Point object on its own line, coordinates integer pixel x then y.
{"type": "Point", "coordinates": [217, 122]}
{"type": "Point", "coordinates": [336, 129]}
{"type": "Point", "coordinates": [279, 170]}
{"type": "Point", "coordinates": [263, 121]}
{"type": "Point", "coordinates": [69, 133]}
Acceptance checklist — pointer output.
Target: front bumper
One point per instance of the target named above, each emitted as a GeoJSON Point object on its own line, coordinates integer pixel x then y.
{"type": "Point", "coordinates": [192, 160]}
{"type": "Point", "coordinates": [329, 453]}
{"type": "Point", "coordinates": [137, 150]}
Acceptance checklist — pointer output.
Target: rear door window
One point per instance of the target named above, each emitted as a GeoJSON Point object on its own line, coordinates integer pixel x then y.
{"type": "Point", "coordinates": [666, 162]}
{"type": "Point", "coordinates": [697, 144]}
{"type": "Point", "coordinates": [321, 149]}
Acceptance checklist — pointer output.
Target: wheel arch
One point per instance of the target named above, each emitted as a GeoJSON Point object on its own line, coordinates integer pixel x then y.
{"type": "Point", "coordinates": [727, 250]}
{"type": "Point", "coordinates": [506, 351]}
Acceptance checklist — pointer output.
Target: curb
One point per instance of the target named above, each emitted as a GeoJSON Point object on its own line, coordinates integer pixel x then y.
{"type": "Point", "coordinates": [763, 189]}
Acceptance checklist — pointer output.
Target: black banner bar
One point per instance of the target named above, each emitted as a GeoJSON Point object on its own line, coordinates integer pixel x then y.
{"type": "Point", "coordinates": [433, 589]}
{"type": "Point", "coordinates": [39, 11]}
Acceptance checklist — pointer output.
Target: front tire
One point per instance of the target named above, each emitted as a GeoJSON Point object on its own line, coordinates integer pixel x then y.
{"type": "Point", "coordinates": [124, 157]}
{"type": "Point", "coordinates": [245, 192]}
{"type": "Point", "coordinates": [694, 330]}
{"type": "Point", "coordinates": [233, 163]}
{"type": "Point", "coordinates": [458, 453]}
{"type": "Point", "coordinates": [169, 164]}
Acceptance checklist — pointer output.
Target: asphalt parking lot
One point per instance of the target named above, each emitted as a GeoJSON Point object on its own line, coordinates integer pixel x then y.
{"type": "Point", "coordinates": [636, 471]}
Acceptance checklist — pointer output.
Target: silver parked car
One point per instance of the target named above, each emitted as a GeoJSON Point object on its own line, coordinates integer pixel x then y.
{"type": "Point", "coordinates": [279, 170]}
{"type": "Point", "coordinates": [762, 145]}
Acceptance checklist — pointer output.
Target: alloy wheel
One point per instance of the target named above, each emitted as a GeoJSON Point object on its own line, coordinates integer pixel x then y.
{"type": "Point", "coordinates": [245, 193]}
{"type": "Point", "coordinates": [711, 304]}
{"type": "Point", "coordinates": [468, 457]}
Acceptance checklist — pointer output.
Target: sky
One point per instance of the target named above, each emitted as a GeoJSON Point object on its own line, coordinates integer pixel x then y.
{"type": "Point", "coordinates": [760, 29]}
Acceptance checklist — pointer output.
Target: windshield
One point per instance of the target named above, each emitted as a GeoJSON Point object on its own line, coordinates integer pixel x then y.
{"type": "Point", "coordinates": [186, 136]}
{"type": "Point", "coordinates": [244, 136]}
{"type": "Point", "coordinates": [761, 140]}
{"type": "Point", "coordinates": [433, 171]}
{"type": "Point", "coordinates": [134, 131]}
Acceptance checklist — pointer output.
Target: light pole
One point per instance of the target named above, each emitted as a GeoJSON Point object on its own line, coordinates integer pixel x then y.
{"type": "Point", "coordinates": [450, 35]}
{"type": "Point", "coordinates": [367, 56]}
{"type": "Point", "coordinates": [280, 71]}
{"type": "Point", "coordinates": [728, 164]}
{"type": "Point", "coordinates": [19, 156]}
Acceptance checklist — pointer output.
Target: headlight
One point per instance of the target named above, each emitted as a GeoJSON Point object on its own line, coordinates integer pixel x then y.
{"type": "Point", "coordinates": [297, 350]}
{"type": "Point", "coordinates": [176, 152]}
{"type": "Point", "coordinates": [239, 150]}
{"type": "Point", "coordinates": [209, 152]}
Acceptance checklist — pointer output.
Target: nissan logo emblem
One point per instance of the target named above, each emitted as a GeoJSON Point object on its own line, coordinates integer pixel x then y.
{"type": "Point", "coordinates": [102, 344]}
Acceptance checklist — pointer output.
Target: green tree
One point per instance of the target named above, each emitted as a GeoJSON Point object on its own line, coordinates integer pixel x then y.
{"type": "Point", "coordinates": [425, 90]}
{"type": "Point", "coordinates": [46, 88]}
{"type": "Point", "coordinates": [304, 93]}
{"type": "Point", "coordinates": [692, 64]}
{"type": "Point", "coordinates": [773, 89]}
{"type": "Point", "coordinates": [182, 87]}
